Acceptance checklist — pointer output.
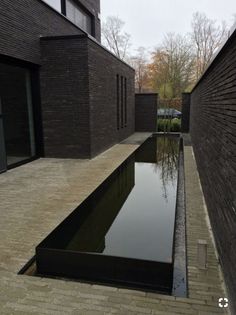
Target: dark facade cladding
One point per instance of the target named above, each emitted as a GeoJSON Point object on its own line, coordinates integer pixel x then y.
{"type": "Point", "coordinates": [186, 99]}
{"type": "Point", "coordinates": [24, 22]}
{"type": "Point", "coordinates": [146, 112]}
{"type": "Point", "coordinates": [213, 133]}
{"type": "Point", "coordinates": [79, 97]}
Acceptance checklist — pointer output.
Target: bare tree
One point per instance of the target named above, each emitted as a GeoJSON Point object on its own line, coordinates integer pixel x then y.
{"type": "Point", "coordinates": [140, 63]}
{"type": "Point", "coordinates": [172, 66]}
{"type": "Point", "coordinates": [207, 37]}
{"type": "Point", "coordinates": [114, 38]}
{"type": "Point", "coordinates": [167, 163]}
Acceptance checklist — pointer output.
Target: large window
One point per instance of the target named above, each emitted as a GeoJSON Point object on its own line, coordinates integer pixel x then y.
{"type": "Point", "coordinates": [17, 134]}
{"type": "Point", "coordinates": [79, 16]}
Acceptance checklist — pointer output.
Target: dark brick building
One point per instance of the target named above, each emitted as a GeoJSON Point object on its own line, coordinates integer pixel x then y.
{"type": "Point", "coordinates": [62, 94]}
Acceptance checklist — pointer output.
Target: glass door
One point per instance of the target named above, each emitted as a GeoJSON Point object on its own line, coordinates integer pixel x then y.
{"type": "Point", "coordinates": [3, 161]}
{"type": "Point", "coordinates": [18, 124]}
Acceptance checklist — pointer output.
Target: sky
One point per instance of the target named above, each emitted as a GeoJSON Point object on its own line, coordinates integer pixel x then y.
{"type": "Point", "coordinates": [148, 20]}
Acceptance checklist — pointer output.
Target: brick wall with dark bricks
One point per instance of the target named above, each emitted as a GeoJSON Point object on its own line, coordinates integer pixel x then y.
{"type": "Point", "coordinates": [107, 77]}
{"type": "Point", "coordinates": [65, 97]}
{"type": "Point", "coordinates": [24, 22]}
{"type": "Point", "coordinates": [79, 97]}
{"type": "Point", "coordinates": [186, 98]}
{"type": "Point", "coordinates": [213, 133]}
{"type": "Point", "coordinates": [146, 112]}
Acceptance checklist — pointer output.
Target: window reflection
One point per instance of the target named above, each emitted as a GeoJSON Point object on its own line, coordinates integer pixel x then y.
{"type": "Point", "coordinates": [78, 16]}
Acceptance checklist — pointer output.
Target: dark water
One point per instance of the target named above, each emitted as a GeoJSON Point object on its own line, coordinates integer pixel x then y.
{"type": "Point", "coordinates": [132, 214]}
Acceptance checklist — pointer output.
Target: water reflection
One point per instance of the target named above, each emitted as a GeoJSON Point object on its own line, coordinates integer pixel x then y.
{"type": "Point", "coordinates": [167, 162]}
{"type": "Point", "coordinates": [85, 229]}
{"type": "Point", "coordinates": [163, 154]}
{"type": "Point", "coordinates": [101, 210]}
{"type": "Point", "coordinates": [128, 215]}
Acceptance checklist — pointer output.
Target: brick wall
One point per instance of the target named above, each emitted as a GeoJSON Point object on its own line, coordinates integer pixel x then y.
{"type": "Point", "coordinates": [23, 22]}
{"type": "Point", "coordinates": [146, 112]}
{"type": "Point", "coordinates": [103, 71]}
{"type": "Point", "coordinates": [213, 132]}
{"type": "Point", "coordinates": [79, 97]}
{"type": "Point", "coordinates": [186, 99]}
{"type": "Point", "coordinates": [65, 97]}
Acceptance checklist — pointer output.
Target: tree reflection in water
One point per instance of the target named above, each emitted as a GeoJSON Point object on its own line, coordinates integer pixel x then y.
{"type": "Point", "coordinates": [167, 155]}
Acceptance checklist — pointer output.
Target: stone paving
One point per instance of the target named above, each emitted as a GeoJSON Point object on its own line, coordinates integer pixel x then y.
{"type": "Point", "coordinates": [36, 197]}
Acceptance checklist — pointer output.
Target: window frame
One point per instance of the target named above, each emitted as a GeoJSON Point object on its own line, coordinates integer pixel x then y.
{"type": "Point", "coordinates": [84, 11]}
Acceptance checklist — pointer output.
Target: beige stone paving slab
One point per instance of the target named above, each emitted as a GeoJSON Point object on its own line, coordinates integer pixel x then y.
{"type": "Point", "coordinates": [36, 197]}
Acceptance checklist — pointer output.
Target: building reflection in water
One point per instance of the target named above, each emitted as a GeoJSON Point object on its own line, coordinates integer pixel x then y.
{"type": "Point", "coordinates": [85, 229]}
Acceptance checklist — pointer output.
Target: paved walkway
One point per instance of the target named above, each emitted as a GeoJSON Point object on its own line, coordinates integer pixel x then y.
{"type": "Point", "coordinates": [36, 197]}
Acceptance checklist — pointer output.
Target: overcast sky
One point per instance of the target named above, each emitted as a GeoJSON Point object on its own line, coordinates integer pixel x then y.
{"type": "Point", "coordinates": [148, 20]}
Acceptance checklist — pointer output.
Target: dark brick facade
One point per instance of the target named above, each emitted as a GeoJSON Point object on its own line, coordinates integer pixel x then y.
{"type": "Point", "coordinates": [22, 23]}
{"type": "Point", "coordinates": [213, 133]}
{"type": "Point", "coordinates": [79, 97]}
{"type": "Point", "coordinates": [186, 99]}
{"type": "Point", "coordinates": [146, 112]}
{"type": "Point", "coordinates": [103, 70]}
{"type": "Point", "coordinates": [64, 98]}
